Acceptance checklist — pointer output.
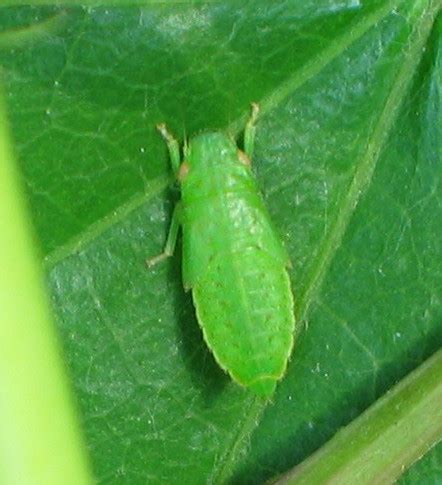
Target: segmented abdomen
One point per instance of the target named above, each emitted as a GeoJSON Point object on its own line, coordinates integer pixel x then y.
{"type": "Point", "coordinates": [245, 308]}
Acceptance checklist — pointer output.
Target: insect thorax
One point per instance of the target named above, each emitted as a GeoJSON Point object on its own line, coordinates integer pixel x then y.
{"type": "Point", "coordinates": [214, 169]}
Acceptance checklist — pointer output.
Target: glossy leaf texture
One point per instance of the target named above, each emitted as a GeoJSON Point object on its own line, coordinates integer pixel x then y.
{"type": "Point", "coordinates": [348, 158]}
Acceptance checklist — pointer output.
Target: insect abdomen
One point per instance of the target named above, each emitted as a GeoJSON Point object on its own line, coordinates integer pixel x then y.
{"type": "Point", "coordinates": [223, 225]}
{"type": "Point", "coordinates": [245, 308]}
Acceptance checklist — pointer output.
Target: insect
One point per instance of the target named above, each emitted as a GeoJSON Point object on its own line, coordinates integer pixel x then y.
{"type": "Point", "coordinates": [233, 260]}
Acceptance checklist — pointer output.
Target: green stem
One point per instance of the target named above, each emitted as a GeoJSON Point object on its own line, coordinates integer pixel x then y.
{"type": "Point", "coordinates": [385, 440]}
{"type": "Point", "coordinates": [40, 441]}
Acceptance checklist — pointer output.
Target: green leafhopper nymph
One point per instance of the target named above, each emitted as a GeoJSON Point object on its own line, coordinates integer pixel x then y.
{"type": "Point", "coordinates": [233, 260]}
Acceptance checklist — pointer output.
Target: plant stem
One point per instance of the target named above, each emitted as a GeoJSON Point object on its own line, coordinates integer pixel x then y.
{"type": "Point", "coordinates": [40, 442]}
{"type": "Point", "coordinates": [386, 439]}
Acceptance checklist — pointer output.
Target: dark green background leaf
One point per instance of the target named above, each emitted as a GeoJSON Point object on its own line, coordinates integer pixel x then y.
{"type": "Point", "coordinates": [347, 156]}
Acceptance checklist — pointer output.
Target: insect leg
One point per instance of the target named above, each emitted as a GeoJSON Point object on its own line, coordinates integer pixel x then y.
{"type": "Point", "coordinates": [249, 131]}
{"type": "Point", "coordinates": [173, 147]}
{"type": "Point", "coordinates": [169, 248]}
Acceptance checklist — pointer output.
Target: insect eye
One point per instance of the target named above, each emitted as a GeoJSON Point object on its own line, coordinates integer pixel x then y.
{"type": "Point", "coordinates": [244, 159]}
{"type": "Point", "coordinates": [183, 171]}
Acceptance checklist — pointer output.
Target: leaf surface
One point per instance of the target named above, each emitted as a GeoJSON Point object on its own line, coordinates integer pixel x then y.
{"type": "Point", "coordinates": [348, 158]}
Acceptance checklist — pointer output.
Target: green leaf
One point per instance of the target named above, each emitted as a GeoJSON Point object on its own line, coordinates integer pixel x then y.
{"type": "Point", "coordinates": [347, 155]}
